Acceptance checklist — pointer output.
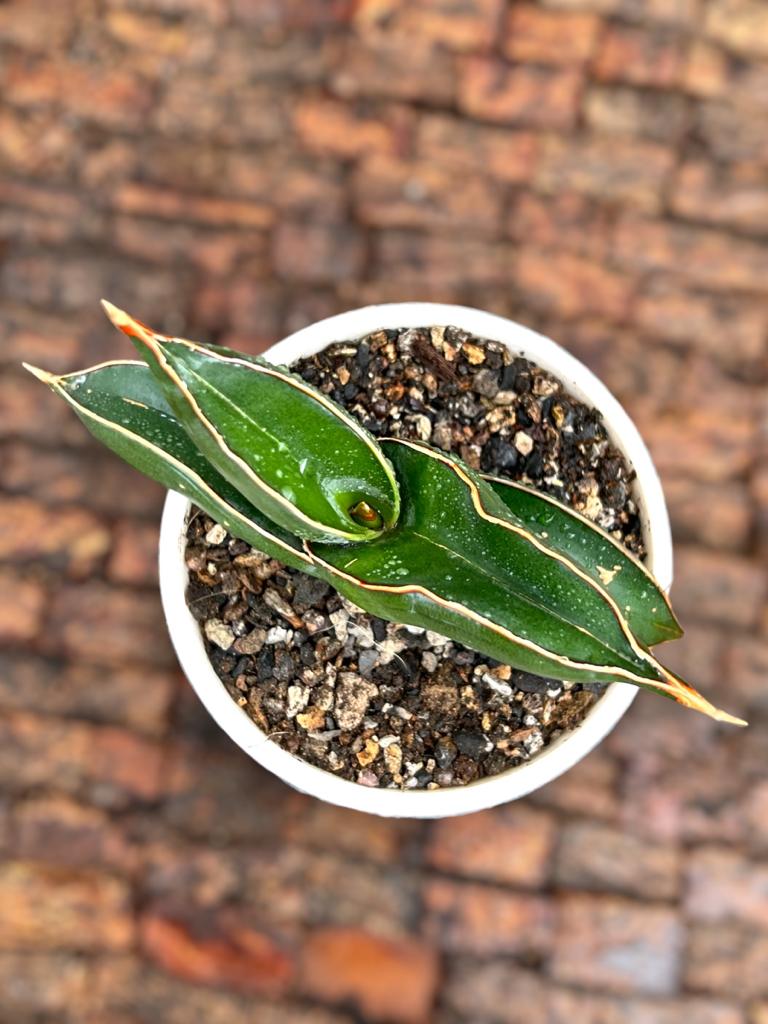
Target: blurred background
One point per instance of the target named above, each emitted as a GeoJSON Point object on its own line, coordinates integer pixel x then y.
{"type": "Point", "coordinates": [235, 169]}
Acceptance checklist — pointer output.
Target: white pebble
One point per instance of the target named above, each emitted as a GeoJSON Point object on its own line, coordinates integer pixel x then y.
{"type": "Point", "coordinates": [219, 633]}
{"type": "Point", "coordinates": [216, 534]}
{"type": "Point", "coordinates": [523, 442]}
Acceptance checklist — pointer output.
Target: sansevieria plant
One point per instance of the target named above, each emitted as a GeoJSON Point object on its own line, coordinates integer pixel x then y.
{"type": "Point", "coordinates": [403, 530]}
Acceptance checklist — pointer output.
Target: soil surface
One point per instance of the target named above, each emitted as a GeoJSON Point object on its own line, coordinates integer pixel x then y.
{"type": "Point", "coordinates": [379, 703]}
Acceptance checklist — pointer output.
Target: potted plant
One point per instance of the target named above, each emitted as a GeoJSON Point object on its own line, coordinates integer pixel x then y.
{"type": "Point", "coordinates": [399, 527]}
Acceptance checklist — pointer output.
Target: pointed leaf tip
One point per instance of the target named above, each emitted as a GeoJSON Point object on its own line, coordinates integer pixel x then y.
{"type": "Point", "coordinates": [43, 375]}
{"type": "Point", "coordinates": [126, 323]}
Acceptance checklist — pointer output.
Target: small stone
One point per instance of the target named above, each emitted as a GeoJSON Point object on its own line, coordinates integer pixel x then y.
{"type": "Point", "coordinates": [272, 599]}
{"type": "Point", "coordinates": [436, 639]}
{"type": "Point", "coordinates": [367, 661]}
{"type": "Point", "coordinates": [473, 353]}
{"type": "Point", "coordinates": [534, 742]}
{"type": "Point", "coordinates": [393, 758]}
{"type": "Point", "coordinates": [216, 535]}
{"type": "Point", "coordinates": [353, 695]}
{"type": "Point", "coordinates": [504, 398]}
{"type": "Point", "coordinates": [312, 719]}
{"type": "Point", "coordinates": [367, 778]}
{"type": "Point", "coordinates": [423, 427]}
{"type": "Point", "coordinates": [252, 642]}
{"type": "Point", "coordinates": [442, 435]}
{"type": "Point", "coordinates": [219, 633]}
{"type": "Point", "coordinates": [445, 752]}
{"type": "Point", "coordinates": [339, 620]}
{"type": "Point", "coordinates": [497, 685]}
{"type": "Point", "coordinates": [523, 442]}
{"type": "Point", "coordinates": [429, 661]}
{"type": "Point", "coordinates": [343, 374]}
{"type": "Point", "coordinates": [368, 754]}
{"type": "Point", "coordinates": [311, 592]}
{"type": "Point", "coordinates": [486, 383]}
{"type": "Point", "coordinates": [473, 744]}
{"type": "Point", "coordinates": [279, 635]}
{"type": "Point", "coordinates": [298, 698]}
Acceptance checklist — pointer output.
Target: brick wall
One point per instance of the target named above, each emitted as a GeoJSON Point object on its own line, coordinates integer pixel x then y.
{"type": "Point", "coordinates": [236, 169]}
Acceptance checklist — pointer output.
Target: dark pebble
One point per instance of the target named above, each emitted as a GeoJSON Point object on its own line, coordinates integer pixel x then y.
{"type": "Point", "coordinates": [471, 744]}
{"type": "Point", "coordinates": [310, 592]}
{"type": "Point", "coordinates": [445, 751]}
{"type": "Point", "coordinates": [498, 454]}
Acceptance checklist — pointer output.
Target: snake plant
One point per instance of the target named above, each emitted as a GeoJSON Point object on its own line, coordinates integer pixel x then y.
{"type": "Point", "coordinates": [403, 530]}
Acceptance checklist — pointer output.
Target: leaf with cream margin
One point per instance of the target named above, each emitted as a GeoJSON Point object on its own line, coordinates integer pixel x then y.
{"type": "Point", "coordinates": [300, 458]}
{"type": "Point", "coordinates": [458, 564]}
{"type": "Point", "coordinates": [121, 405]}
{"type": "Point", "coordinates": [642, 601]}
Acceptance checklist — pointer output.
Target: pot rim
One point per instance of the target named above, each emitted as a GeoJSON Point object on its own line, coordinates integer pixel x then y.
{"type": "Point", "coordinates": [554, 759]}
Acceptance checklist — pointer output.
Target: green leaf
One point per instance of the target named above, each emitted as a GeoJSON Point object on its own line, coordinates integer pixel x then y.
{"type": "Point", "coordinates": [122, 406]}
{"type": "Point", "coordinates": [457, 563]}
{"type": "Point", "coordinates": [297, 456]}
{"type": "Point", "coordinates": [642, 601]}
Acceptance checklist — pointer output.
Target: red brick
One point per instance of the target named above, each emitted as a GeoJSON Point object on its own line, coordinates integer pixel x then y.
{"type": "Point", "coordinates": [569, 221]}
{"type": "Point", "coordinates": [36, 143]}
{"type": "Point", "coordinates": [133, 558]}
{"type": "Point", "coordinates": [731, 132]}
{"type": "Point", "coordinates": [510, 845]}
{"type": "Point", "coordinates": [740, 25]}
{"type": "Point", "coordinates": [316, 824]}
{"type": "Point", "coordinates": [550, 37]}
{"type": "Point", "coordinates": [76, 284]}
{"type": "Point", "coordinates": [392, 193]}
{"type": "Point", "coordinates": [112, 97]}
{"type": "Point", "coordinates": [75, 756]}
{"type": "Point", "coordinates": [215, 252]}
{"type": "Point", "coordinates": [312, 191]}
{"type": "Point", "coordinates": [604, 859]}
{"type": "Point", "coordinates": [49, 983]}
{"type": "Point", "coordinates": [34, 25]}
{"type": "Point", "coordinates": [723, 885]}
{"type": "Point", "coordinates": [498, 991]}
{"type": "Point", "coordinates": [22, 605]}
{"type": "Point", "coordinates": [569, 286]}
{"type": "Point", "coordinates": [440, 262]}
{"type": "Point", "coordinates": [519, 94]}
{"type": "Point", "coordinates": [632, 173]}
{"type": "Point", "coordinates": [692, 443]}
{"type": "Point", "coordinates": [383, 980]}
{"type": "Point", "coordinates": [746, 669]}
{"type": "Point", "coordinates": [620, 110]}
{"type": "Point", "coordinates": [58, 830]}
{"type": "Point", "coordinates": [19, 392]}
{"type": "Point", "coordinates": [452, 143]}
{"type": "Point", "coordinates": [702, 255]}
{"type": "Point", "coordinates": [729, 519]}
{"type": "Point", "coordinates": [590, 787]}
{"type": "Point", "coordinates": [42, 907]}
{"type": "Point", "coordinates": [57, 350]}
{"type": "Point", "coordinates": [155, 37]}
{"type": "Point", "coordinates": [215, 952]}
{"type": "Point", "coordinates": [736, 197]}
{"type": "Point", "coordinates": [462, 26]}
{"type": "Point", "coordinates": [670, 310]}
{"type": "Point", "coordinates": [482, 920]}
{"type": "Point", "coordinates": [195, 106]}
{"type": "Point", "coordinates": [64, 538]}
{"type": "Point", "coordinates": [727, 960]}
{"type": "Point", "coordinates": [142, 199]}
{"type": "Point", "coordinates": [330, 126]}
{"type": "Point", "coordinates": [318, 253]}
{"type": "Point", "coordinates": [375, 67]}
{"type": "Point", "coordinates": [718, 588]}
{"type": "Point", "coordinates": [640, 56]}
{"type": "Point", "coordinates": [99, 480]}
{"type": "Point", "coordinates": [617, 946]}
{"type": "Point", "coordinates": [107, 625]}
{"type": "Point", "coordinates": [713, 73]}
{"type": "Point", "coordinates": [673, 12]}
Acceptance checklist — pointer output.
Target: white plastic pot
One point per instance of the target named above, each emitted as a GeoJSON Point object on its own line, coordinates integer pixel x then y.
{"type": "Point", "coordinates": [553, 760]}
